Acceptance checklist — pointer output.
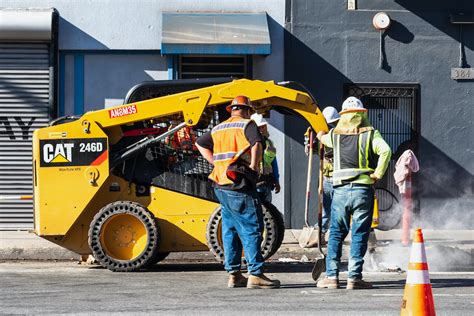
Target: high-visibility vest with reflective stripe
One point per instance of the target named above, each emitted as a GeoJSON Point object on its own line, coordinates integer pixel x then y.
{"type": "Point", "coordinates": [352, 156]}
{"type": "Point", "coordinates": [269, 156]}
{"type": "Point", "coordinates": [230, 144]}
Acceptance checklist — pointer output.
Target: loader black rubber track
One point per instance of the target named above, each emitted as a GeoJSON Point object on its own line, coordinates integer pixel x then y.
{"type": "Point", "coordinates": [272, 237]}
{"type": "Point", "coordinates": [142, 214]}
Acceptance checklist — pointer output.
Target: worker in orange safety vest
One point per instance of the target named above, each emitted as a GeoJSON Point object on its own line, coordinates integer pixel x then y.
{"type": "Point", "coordinates": [234, 148]}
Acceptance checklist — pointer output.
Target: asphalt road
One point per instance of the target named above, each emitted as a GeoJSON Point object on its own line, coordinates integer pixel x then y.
{"type": "Point", "coordinates": [190, 289]}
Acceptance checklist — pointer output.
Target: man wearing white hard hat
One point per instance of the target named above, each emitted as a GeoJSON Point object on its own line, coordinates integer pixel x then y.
{"type": "Point", "coordinates": [361, 157]}
{"type": "Point", "coordinates": [332, 117]}
{"type": "Point", "coordinates": [269, 179]}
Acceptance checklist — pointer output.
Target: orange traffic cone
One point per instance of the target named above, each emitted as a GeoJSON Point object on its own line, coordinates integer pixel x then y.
{"type": "Point", "coordinates": [418, 297]}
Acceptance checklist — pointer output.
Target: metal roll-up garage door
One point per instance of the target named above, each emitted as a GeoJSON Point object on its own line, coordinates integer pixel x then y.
{"type": "Point", "coordinates": [24, 107]}
{"type": "Point", "coordinates": [26, 103]}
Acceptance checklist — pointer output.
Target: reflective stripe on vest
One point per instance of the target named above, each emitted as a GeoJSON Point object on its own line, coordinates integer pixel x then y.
{"type": "Point", "coordinates": [269, 153]}
{"type": "Point", "coordinates": [230, 144]}
{"type": "Point", "coordinates": [345, 168]}
{"type": "Point", "coordinates": [269, 156]}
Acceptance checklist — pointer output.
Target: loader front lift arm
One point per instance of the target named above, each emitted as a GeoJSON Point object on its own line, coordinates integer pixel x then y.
{"type": "Point", "coordinates": [264, 96]}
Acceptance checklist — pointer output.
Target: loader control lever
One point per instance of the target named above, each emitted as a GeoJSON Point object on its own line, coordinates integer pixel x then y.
{"type": "Point", "coordinates": [135, 149]}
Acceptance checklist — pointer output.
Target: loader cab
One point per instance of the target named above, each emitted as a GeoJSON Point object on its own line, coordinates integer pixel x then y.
{"type": "Point", "coordinates": [174, 163]}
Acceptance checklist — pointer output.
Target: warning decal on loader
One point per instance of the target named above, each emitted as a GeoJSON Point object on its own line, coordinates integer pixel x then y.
{"type": "Point", "coordinates": [73, 152]}
{"type": "Point", "coordinates": [123, 111]}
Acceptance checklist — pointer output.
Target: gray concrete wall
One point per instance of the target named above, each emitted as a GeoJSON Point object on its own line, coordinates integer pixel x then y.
{"type": "Point", "coordinates": [327, 46]}
{"type": "Point", "coordinates": [109, 77]}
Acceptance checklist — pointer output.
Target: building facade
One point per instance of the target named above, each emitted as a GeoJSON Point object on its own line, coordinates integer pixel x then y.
{"type": "Point", "coordinates": [404, 76]}
{"type": "Point", "coordinates": [80, 56]}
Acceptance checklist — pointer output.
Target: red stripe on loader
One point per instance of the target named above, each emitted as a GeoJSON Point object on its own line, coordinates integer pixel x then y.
{"type": "Point", "coordinates": [100, 159]}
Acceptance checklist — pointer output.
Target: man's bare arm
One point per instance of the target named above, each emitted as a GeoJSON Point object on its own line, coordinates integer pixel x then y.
{"type": "Point", "coordinates": [206, 153]}
{"type": "Point", "coordinates": [256, 156]}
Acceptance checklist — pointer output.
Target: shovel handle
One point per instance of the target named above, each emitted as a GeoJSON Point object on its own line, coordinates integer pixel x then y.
{"type": "Point", "coordinates": [320, 196]}
{"type": "Point", "coordinates": [308, 176]}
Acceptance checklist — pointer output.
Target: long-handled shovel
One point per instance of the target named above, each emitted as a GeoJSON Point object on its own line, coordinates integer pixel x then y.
{"type": "Point", "coordinates": [307, 236]}
{"type": "Point", "coordinates": [320, 264]}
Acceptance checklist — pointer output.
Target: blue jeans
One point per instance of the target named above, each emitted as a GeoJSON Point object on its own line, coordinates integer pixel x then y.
{"type": "Point", "coordinates": [349, 200]}
{"type": "Point", "coordinates": [242, 225]}
{"type": "Point", "coordinates": [327, 201]}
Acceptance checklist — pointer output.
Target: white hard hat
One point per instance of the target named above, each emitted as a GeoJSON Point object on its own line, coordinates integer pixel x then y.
{"type": "Point", "coordinates": [258, 119]}
{"type": "Point", "coordinates": [352, 104]}
{"type": "Point", "coordinates": [330, 114]}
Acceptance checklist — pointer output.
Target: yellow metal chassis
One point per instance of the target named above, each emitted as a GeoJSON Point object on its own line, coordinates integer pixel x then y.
{"type": "Point", "coordinates": [67, 198]}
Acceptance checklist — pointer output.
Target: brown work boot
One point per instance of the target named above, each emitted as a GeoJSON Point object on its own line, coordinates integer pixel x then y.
{"type": "Point", "coordinates": [262, 282]}
{"type": "Point", "coordinates": [358, 284]}
{"type": "Point", "coordinates": [236, 279]}
{"type": "Point", "coordinates": [328, 283]}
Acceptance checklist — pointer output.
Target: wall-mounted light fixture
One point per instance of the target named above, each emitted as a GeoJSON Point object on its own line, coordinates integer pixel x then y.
{"type": "Point", "coordinates": [381, 22]}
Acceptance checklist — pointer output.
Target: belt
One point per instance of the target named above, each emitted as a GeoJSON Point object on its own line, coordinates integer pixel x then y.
{"type": "Point", "coordinates": [327, 178]}
{"type": "Point", "coordinates": [351, 184]}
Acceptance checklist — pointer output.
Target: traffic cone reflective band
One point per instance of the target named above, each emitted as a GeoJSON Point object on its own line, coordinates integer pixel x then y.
{"type": "Point", "coordinates": [418, 296]}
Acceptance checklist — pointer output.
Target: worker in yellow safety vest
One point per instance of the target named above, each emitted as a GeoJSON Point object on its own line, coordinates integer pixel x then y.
{"type": "Point", "coordinates": [360, 158]}
{"type": "Point", "coordinates": [234, 148]}
{"type": "Point", "coordinates": [269, 179]}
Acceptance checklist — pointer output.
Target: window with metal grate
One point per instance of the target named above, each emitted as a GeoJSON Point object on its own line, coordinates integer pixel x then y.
{"type": "Point", "coordinates": [204, 66]}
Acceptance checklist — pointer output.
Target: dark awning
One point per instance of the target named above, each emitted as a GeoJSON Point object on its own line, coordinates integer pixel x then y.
{"type": "Point", "coordinates": [215, 33]}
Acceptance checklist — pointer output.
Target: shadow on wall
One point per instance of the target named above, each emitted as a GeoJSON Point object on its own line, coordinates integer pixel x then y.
{"type": "Point", "coordinates": [302, 64]}
{"type": "Point", "coordinates": [72, 37]}
{"type": "Point", "coordinates": [399, 33]}
{"type": "Point", "coordinates": [437, 8]}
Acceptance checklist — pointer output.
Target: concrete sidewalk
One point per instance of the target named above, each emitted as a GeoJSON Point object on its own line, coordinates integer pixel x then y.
{"type": "Point", "coordinates": [22, 245]}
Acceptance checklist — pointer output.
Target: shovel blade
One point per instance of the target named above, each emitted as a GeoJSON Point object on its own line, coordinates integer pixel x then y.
{"type": "Point", "coordinates": [308, 237]}
{"type": "Point", "coordinates": [318, 268]}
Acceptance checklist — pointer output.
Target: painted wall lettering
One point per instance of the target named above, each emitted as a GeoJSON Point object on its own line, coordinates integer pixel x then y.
{"type": "Point", "coordinates": [15, 127]}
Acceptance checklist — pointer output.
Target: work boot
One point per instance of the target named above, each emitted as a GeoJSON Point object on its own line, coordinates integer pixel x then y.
{"type": "Point", "coordinates": [262, 282]}
{"type": "Point", "coordinates": [328, 283]}
{"type": "Point", "coordinates": [236, 279]}
{"type": "Point", "coordinates": [358, 284]}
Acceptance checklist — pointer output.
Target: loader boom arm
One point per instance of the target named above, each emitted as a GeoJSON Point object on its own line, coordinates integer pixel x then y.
{"type": "Point", "coordinates": [191, 104]}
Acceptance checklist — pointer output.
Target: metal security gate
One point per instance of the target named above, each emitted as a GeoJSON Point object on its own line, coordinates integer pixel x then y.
{"type": "Point", "coordinates": [393, 110]}
{"type": "Point", "coordinates": [26, 76]}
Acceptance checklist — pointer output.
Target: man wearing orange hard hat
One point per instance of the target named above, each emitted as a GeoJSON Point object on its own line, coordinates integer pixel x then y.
{"type": "Point", "coordinates": [234, 148]}
{"type": "Point", "coordinates": [360, 157]}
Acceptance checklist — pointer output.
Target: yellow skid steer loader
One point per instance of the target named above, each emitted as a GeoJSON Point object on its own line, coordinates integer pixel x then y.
{"type": "Point", "coordinates": [122, 184]}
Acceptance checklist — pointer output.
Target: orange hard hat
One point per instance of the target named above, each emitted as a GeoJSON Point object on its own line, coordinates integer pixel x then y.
{"type": "Point", "coordinates": [239, 102]}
